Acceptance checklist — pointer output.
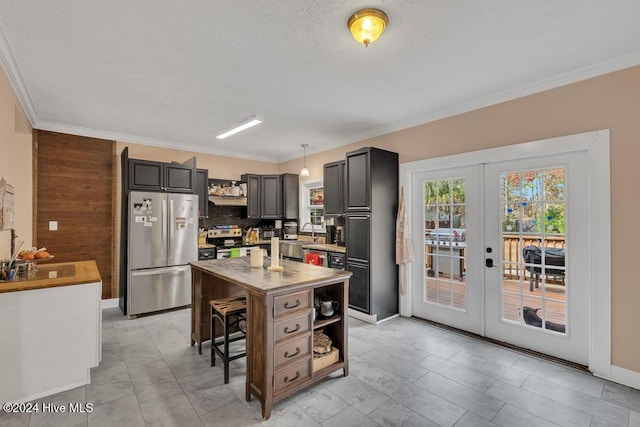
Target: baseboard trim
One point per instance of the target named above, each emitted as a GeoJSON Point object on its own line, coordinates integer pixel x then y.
{"type": "Point", "coordinates": [369, 318]}
{"type": "Point", "coordinates": [109, 303]}
{"type": "Point", "coordinates": [364, 317]}
{"type": "Point", "coordinates": [621, 376]}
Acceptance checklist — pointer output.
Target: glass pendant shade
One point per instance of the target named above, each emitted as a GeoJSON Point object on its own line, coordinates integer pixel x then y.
{"type": "Point", "coordinates": [304, 171]}
{"type": "Point", "coordinates": [366, 25]}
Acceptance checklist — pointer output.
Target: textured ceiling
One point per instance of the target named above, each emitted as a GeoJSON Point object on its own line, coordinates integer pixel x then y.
{"type": "Point", "coordinates": [175, 74]}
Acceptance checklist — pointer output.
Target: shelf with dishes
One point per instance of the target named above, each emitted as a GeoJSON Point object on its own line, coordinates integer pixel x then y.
{"type": "Point", "coordinates": [224, 192]}
{"type": "Point", "coordinates": [328, 328]}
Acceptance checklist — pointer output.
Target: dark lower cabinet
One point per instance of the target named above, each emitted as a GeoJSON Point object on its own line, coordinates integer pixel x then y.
{"type": "Point", "coordinates": [359, 236]}
{"type": "Point", "coordinates": [359, 286]}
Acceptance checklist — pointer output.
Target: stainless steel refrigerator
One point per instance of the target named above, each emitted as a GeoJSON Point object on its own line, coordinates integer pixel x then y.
{"type": "Point", "coordinates": [162, 240]}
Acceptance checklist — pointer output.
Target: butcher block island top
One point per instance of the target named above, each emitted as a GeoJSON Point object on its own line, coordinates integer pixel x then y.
{"type": "Point", "coordinates": [282, 320]}
{"type": "Point", "coordinates": [55, 275]}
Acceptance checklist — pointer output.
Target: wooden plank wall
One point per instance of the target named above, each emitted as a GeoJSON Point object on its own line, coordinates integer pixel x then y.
{"type": "Point", "coordinates": [75, 185]}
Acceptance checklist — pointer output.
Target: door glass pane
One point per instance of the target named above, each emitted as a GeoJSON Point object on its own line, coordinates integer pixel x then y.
{"type": "Point", "coordinates": [534, 282]}
{"type": "Point", "coordinates": [445, 243]}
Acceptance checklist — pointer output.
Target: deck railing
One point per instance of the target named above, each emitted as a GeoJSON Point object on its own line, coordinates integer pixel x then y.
{"type": "Point", "coordinates": [512, 252]}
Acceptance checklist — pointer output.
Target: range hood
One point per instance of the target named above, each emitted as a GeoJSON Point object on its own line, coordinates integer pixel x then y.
{"type": "Point", "coordinates": [228, 200]}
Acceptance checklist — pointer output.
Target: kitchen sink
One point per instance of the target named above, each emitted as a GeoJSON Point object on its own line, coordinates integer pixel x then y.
{"type": "Point", "coordinates": [292, 249]}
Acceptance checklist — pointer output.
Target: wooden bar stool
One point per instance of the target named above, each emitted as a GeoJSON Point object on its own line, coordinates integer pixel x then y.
{"type": "Point", "coordinates": [230, 312]}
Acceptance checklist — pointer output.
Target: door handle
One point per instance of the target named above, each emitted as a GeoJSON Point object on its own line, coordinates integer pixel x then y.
{"type": "Point", "coordinates": [489, 262]}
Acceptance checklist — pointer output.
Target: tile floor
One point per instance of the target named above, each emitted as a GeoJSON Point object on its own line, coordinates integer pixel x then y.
{"type": "Point", "coordinates": [402, 373]}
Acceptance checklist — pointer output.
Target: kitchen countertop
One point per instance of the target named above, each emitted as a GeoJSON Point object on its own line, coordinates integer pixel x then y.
{"type": "Point", "coordinates": [325, 247]}
{"type": "Point", "coordinates": [55, 275]}
{"type": "Point", "coordinates": [240, 272]}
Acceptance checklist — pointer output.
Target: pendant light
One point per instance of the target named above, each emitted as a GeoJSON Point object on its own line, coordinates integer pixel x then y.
{"type": "Point", "coordinates": [366, 25]}
{"type": "Point", "coordinates": [304, 171]}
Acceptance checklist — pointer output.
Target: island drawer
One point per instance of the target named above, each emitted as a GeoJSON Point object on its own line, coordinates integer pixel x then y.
{"type": "Point", "coordinates": [289, 303]}
{"type": "Point", "coordinates": [292, 350]}
{"type": "Point", "coordinates": [292, 326]}
{"type": "Point", "coordinates": [291, 376]}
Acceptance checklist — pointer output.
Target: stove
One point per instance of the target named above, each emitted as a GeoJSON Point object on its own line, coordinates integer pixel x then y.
{"type": "Point", "coordinates": [229, 236]}
{"type": "Point", "coordinates": [228, 241]}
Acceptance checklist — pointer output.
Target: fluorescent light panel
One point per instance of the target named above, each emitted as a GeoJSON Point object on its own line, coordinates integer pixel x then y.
{"type": "Point", "coordinates": [245, 124]}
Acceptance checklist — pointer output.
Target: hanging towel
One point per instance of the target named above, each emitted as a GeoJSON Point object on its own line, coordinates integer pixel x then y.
{"type": "Point", "coordinates": [312, 259]}
{"type": "Point", "coordinates": [404, 248]}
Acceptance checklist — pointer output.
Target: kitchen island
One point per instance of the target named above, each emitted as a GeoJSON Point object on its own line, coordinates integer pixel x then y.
{"type": "Point", "coordinates": [281, 321]}
{"type": "Point", "coordinates": [50, 330]}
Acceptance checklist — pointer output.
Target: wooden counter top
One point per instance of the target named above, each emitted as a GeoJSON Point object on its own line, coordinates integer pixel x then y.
{"type": "Point", "coordinates": [240, 272]}
{"type": "Point", "coordinates": [85, 272]}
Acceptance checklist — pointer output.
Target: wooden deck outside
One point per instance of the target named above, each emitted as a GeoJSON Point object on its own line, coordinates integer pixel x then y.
{"type": "Point", "coordinates": [441, 290]}
{"type": "Point", "coordinates": [550, 297]}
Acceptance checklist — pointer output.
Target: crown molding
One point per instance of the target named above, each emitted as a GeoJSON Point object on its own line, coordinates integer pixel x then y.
{"type": "Point", "coordinates": [563, 79]}
{"type": "Point", "coordinates": [12, 71]}
{"type": "Point", "coordinates": [559, 80]}
{"type": "Point", "coordinates": [125, 138]}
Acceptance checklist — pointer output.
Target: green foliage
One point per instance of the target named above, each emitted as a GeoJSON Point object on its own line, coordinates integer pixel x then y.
{"type": "Point", "coordinates": [554, 220]}
{"type": "Point", "coordinates": [444, 192]}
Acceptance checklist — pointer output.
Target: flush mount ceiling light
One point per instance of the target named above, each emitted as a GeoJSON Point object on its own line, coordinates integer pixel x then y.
{"type": "Point", "coordinates": [366, 25]}
{"type": "Point", "coordinates": [245, 124]}
{"type": "Point", "coordinates": [304, 171]}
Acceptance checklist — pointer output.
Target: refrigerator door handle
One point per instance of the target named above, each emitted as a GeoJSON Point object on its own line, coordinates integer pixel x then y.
{"type": "Point", "coordinates": [169, 246]}
{"type": "Point", "coordinates": [164, 229]}
{"type": "Point", "coordinates": [157, 271]}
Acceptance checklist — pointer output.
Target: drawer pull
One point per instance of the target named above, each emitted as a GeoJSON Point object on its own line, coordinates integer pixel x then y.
{"type": "Point", "coordinates": [287, 331]}
{"type": "Point", "coordinates": [287, 380]}
{"type": "Point", "coordinates": [289, 356]}
{"type": "Point", "coordinates": [297, 304]}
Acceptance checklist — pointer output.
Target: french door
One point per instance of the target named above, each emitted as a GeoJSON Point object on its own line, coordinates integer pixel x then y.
{"type": "Point", "coordinates": [447, 232]}
{"type": "Point", "coordinates": [501, 251]}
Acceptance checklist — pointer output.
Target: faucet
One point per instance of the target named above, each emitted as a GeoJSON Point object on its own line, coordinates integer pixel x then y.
{"type": "Point", "coordinates": [313, 231]}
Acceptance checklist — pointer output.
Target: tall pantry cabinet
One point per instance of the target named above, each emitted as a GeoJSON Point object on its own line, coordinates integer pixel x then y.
{"type": "Point", "coordinates": [371, 208]}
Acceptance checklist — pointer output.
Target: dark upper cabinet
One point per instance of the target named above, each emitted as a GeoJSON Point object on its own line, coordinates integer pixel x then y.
{"type": "Point", "coordinates": [202, 190]}
{"type": "Point", "coordinates": [271, 196]}
{"type": "Point", "coordinates": [290, 195]}
{"type": "Point", "coordinates": [253, 195]}
{"type": "Point", "coordinates": [358, 184]}
{"type": "Point", "coordinates": [334, 181]}
{"type": "Point", "coordinates": [146, 175]}
{"type": "Point", "coordinates": [179, 178]}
